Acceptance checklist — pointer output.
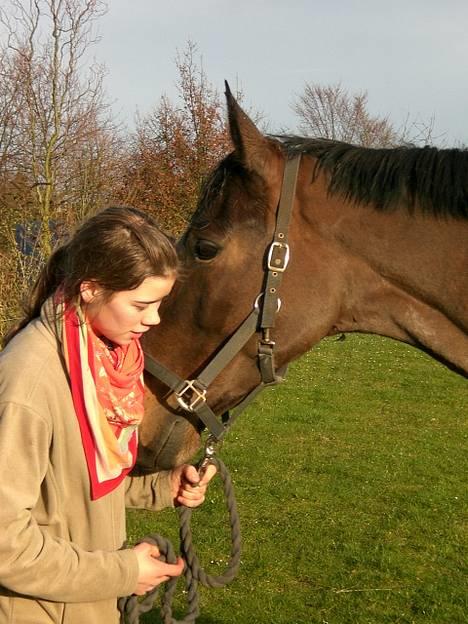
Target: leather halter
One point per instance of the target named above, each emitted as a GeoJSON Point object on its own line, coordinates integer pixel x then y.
{"type": "Point", "coordinates": [191, 393]}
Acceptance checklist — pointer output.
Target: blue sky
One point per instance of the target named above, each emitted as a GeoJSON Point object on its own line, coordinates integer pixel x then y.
{"type": "Point", "coordinates": [411, 56]}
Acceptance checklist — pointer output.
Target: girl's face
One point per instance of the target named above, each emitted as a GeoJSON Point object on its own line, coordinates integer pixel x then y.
{"type": "Point", "coordinates": [128, 313]}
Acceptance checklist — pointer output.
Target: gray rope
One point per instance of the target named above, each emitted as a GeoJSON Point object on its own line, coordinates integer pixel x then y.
{"type": "Point", "coordinates": [132, 607]}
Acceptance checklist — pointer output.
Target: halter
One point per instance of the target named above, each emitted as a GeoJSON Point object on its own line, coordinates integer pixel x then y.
{"type": "Point", "coordinates": [191, 393]}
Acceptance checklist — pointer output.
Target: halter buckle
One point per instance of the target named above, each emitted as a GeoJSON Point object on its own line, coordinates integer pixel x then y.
{"type": "Point", "coordinates": [279, 263]}
{"type": "Point", "coordinates": [198, 395]}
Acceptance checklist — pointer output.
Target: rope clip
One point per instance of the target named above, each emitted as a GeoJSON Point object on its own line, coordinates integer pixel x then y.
{"type": "Point", "coordinates": [209, 455]}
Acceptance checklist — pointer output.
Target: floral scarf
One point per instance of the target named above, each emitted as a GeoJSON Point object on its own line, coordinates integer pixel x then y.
{"type": "Point", "coordinates": [107, 391]}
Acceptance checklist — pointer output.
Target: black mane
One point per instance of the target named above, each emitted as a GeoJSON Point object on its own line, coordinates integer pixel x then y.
{"type": "Point", "coordinates": [434, 181]}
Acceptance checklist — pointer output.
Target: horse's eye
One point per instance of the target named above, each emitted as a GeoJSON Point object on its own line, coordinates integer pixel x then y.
{"type": "Point", "coordinates": [205, 249]}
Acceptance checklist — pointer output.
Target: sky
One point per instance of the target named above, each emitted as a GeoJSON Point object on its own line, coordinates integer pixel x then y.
{"type": "Point", "coordinates": [410, 56]}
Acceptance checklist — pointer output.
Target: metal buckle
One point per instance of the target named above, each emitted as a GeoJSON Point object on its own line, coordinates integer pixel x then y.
{"type": "Point", "coordinates": [280, 268]}
{"type": "Point", "coordinates": [198, 395]}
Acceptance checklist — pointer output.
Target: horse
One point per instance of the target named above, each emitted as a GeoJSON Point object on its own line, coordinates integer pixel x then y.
{"type": "Point", "coordinates": [377, 243]}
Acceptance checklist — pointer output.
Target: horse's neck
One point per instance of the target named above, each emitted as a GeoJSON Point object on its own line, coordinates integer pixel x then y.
{"type": "Point", "coordinates": [402, 276]}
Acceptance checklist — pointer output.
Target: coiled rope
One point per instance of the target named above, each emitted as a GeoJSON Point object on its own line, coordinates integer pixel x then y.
{"type": "Point", "coordinates": [132, 607]}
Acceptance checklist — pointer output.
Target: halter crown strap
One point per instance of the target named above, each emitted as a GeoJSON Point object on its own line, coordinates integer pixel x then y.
{"type": "Point", "coordinates": [278, 254]}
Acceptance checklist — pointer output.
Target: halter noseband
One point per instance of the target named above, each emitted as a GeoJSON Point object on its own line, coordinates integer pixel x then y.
{"type": "Point", "coordinates": [191, 393]}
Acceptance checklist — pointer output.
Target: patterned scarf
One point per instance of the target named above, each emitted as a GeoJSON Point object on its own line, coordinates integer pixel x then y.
{"type": "Point", "coordinates": [107, 391]}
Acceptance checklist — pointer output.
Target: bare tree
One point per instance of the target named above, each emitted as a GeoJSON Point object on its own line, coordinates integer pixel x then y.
{"type": "Point", "coordinates": [419, 132]}
{"type": "Point", "coordinates": [331, 112]}
{"type": "Point", "coordinates": [51, 111]}
{"type": "Point", "coordinates": [58, 143]}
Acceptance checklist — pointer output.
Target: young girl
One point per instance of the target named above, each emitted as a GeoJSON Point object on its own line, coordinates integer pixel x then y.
{"type": "Point", "coordinates": [71, 398]}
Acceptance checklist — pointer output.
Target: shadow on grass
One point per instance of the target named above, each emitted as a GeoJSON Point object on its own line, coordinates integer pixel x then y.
{"type": "Point", "coordinates": [154, 617]}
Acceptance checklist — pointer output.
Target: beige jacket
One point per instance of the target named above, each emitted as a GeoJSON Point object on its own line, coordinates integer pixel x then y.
{"type": "Point", "coordinates": [59, 551]}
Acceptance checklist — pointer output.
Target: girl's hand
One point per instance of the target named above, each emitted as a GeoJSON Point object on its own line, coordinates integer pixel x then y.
{"type": "Point", "coordinates": [152, 572]}
{"type": "Point", "coordinates": [187, 487]}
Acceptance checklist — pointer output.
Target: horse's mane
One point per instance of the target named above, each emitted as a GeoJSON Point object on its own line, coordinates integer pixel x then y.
{"type": "Point", "coordinates": [434, 181]}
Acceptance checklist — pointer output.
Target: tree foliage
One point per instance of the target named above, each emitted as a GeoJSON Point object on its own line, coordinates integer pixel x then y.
{"type": "Point", "coordinates": [176, 145]}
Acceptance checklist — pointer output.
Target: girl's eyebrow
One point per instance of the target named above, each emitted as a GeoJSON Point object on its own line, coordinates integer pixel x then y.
{"type": "Point", "coordinates": [146, 302]}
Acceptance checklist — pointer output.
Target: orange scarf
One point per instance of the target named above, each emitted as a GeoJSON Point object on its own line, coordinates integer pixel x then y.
{"type": "Point", "coordinates": [107, 391]}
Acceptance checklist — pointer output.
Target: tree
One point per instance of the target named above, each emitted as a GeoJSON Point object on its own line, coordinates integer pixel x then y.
{"type": "Point", "coordinates": [57, 140]}
{"type": "Point", "coordinates": [53, 111]}
{"type": "Point", "coordinates": [176, 145]}
{"type": "Point", "coordinates": [333, 113]}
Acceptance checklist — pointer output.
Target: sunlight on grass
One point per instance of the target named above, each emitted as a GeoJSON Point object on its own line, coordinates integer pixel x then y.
{"type": "Point", "coordinates": [350, 481]}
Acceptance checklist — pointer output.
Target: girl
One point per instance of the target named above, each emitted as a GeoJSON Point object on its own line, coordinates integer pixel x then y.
{"type": "Point", "coordinates": [71, 398]}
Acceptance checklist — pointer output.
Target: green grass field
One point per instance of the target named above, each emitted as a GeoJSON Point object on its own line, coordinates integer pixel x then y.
{"type": "Point", "coordinates": [351, 487]}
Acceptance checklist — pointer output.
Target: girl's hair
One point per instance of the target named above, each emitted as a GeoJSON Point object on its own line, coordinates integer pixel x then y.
{"type": "Point", "coordinates": [117, 248]}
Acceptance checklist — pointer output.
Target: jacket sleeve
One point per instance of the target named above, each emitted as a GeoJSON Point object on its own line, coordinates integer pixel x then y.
{"type": "Point", "coordinates": [152, 491]}
{"type": "Point", "coordinates": [32, 561]}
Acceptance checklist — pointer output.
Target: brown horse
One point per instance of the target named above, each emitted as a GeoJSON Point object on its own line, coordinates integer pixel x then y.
{"type": "Point", "coordinates": [378, 241]}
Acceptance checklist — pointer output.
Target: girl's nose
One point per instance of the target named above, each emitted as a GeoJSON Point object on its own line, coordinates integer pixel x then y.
{"type": "Point", "coordinates": [152, 316]}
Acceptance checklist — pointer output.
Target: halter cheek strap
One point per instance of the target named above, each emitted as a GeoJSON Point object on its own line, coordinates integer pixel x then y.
{"type": "Point", "coordinates": [191, 394]}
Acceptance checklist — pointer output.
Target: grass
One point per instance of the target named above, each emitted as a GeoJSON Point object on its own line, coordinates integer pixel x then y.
{"type": "Point", "coordinates": [350, 480]}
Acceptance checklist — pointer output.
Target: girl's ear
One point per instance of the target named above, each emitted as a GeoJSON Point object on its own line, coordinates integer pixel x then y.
{"type": "Point", "coordinates": [89, 291]}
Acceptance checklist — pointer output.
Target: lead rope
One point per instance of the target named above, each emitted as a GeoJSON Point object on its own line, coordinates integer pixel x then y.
{"type": "Point", "coordinates": [132, 607]}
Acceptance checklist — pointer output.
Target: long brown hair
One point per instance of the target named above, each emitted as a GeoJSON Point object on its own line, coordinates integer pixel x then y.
{"type": "Point", "coordinates": [117, 248]}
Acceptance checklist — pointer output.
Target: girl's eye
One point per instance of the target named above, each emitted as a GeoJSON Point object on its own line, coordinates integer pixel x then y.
{"type": "Point", "coordinates": [205, 249]}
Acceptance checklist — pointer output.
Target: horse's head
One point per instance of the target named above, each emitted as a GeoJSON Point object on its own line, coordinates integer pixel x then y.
{"type": "Point", "coordinates": [369, 253]}
{"type": "Point", "coordinates": [224, 251]}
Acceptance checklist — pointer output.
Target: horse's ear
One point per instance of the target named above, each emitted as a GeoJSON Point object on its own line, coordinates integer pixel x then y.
{"type": "Point", "coordinates": [249, 143]}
